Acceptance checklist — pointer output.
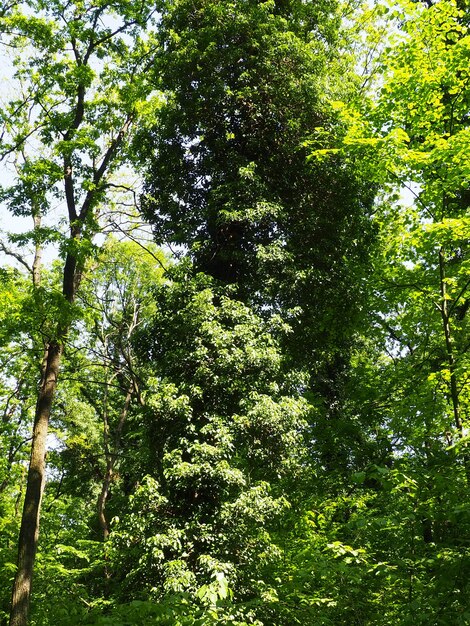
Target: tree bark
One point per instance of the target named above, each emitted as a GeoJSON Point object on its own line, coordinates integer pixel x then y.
{"type": "Point", "coordinates": [449, 345]}
{"type": "Point", "coordinates": [111, 457]}
{"type": "Point", "coordinates": [453, 387]}
{"type": "Point", "coordinates": [29, 531]}
{"type": "Point", "coordinates": [72, 273]}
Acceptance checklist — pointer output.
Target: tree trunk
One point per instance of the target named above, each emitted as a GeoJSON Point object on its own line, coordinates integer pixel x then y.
{"type": "Point", "coordinates": [72, 273]}
{"type": "Point", "coordinates": [111, 457]}
{"type": "Point", "coordinates": [453, 387]}
{"type": "Point", "coordinates": [454, 395]}
{"type": "Point", "coordinates": [29, 531]}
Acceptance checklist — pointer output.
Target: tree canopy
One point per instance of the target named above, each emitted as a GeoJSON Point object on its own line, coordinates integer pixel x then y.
{"type": "Point", "coordinates": [234, 331]}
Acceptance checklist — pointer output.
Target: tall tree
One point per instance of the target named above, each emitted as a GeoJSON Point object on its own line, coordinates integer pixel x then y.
{"type": "Point", "coordinates": [435, 137]}
{"type": "Point", "coordinates": [417, 138]}
{"type": "Point", "coordinates": [414, 136]}
{"type": "Point", "coordinates": [118, 297]}
{"type": "Point", "coordinates": [80, 73]}
{"type": "Point", "coordinates": [247, 85]}
{"type": "Point", "coordinates": [220, 441]}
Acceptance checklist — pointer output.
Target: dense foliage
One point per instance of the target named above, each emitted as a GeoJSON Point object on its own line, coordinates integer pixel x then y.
{"type": "Point", "coordinates": [227, 174]}
{"type": "Point", "coordinates": [264, 422]}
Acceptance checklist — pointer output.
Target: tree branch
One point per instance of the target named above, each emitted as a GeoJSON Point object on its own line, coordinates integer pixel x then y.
{"type": "Point", "coordinates": [16, 256]}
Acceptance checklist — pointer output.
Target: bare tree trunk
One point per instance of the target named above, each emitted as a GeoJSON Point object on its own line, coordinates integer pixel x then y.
{"type": "Point", "coordinates": [29, 531]}
{"type": "Point", "coordinates": [111, 457]}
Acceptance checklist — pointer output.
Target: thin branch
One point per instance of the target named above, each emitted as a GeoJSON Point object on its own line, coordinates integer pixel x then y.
{"type": "Point", "coordinates": [20, 142]}
{"type": "Point", "coordinates": [462, 291]}
{"type": "Point", "coordinates": [16, 256]}
{"type": "Point", "coordinates": [412, 191]}
{"type": "Point", "coordinates": [88, 381]}
{"type": "Point", "coordinates": [140, 244]}
{"type": "Point", "coordinates": [99, 42]}
{"type": "Point", "coordinates": [100, 172]}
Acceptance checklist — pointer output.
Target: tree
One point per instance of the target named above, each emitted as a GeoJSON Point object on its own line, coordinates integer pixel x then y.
{"type": "Point", "coordinates": [219, 440]}
{"type": "Point", "coordinates": [246, 86]}
{"type": "Point", "coordinates": [16, 387]}
{"type": "Point", "coordinates": [118, 298]}
{"type": "Point", "coordinates": [415, 136]}
{"type": "Point", "coordinates": [425, 99]}
{"type": "Point", "coordinates": [98, 393]}
{"type": "Point", "coordinates": [435, 136]}
{"type": "Point", "coordinates": [80, 72]}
